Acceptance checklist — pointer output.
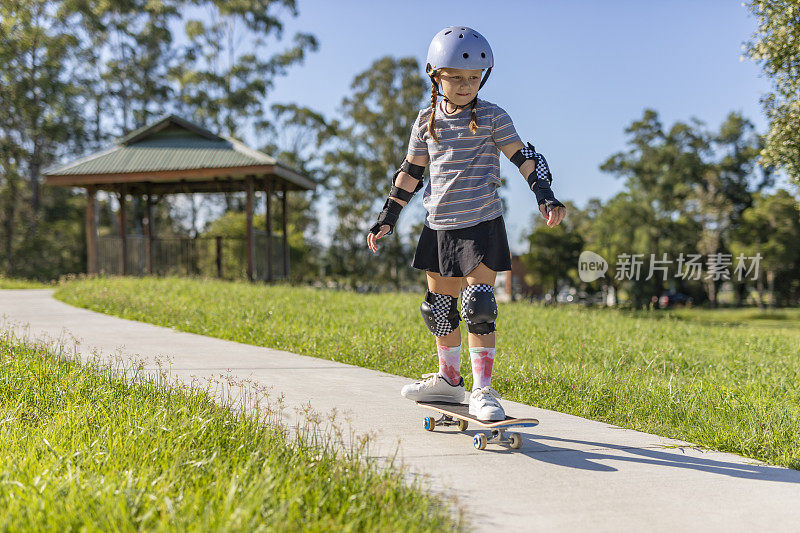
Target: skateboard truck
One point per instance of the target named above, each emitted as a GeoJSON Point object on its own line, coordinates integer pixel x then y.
{"type": "Point", "coordinates": [498, 437]}
{"type": "Point", "coordinates": [445, 420]}
{"type": "Point", "coordinates": [458, 415]}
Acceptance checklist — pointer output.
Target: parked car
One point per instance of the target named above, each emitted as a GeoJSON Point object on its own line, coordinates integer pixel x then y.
{"type": "Point", "coordinates": [674, 299]}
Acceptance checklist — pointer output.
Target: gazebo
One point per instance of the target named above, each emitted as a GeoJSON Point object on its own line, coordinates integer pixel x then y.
{"type": "Point", "coordinates": [170, 156]}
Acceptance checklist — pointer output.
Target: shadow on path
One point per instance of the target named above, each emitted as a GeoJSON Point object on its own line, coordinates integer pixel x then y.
{"type": "Point", "coordinates": [536, 447]}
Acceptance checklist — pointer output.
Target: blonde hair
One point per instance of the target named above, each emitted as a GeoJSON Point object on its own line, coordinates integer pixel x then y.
{"type": "Point", "coordinates": [473, 123]}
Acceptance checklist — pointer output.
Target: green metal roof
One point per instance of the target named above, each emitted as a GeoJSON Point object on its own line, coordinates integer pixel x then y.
{"type": "Point", "coordinates": [169, 144]}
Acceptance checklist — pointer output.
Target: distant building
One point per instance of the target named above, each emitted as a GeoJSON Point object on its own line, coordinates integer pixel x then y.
{"type": "Point", "coordinates": [510, 285]}
{"type": "Point", "coordinates": [175, 156]}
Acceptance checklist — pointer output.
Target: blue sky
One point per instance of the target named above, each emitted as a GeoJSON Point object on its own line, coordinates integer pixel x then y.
{"type": "Point", "coordinates": [572, 75]}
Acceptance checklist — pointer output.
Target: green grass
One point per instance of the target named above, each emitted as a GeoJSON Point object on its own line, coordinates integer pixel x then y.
{"type": "Point", "coordinates": [777, 318]}
{"type": "Point", "coordinates": [14, 283]}
{"type": "Point", "coordinates": [84, 449]}
{"type": "Point", "coordinates": [733, 388]}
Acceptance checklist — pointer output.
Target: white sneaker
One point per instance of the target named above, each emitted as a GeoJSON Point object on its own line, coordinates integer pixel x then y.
{"type": "Point", "coordinates": [484, 404]}
{"type": "Point", "coordinates": [434, 389]}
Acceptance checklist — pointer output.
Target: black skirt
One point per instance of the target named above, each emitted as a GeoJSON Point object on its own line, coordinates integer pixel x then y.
{"type": "Point", "coordinates": [456, 252]}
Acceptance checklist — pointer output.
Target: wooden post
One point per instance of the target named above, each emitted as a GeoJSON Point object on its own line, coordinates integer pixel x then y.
{"type": "Point", "coordinates": [91, 230]}
{"type": "Point", "coordinates": [148, 231]}
{"type": "Point", "coordinates": [249, 208]}
{"type": "Point", "coordinates": [268, 201]}
{"type": "Point", "coordinates": [219, 256]}
{"type": "Point", "coordinates": [122, 219]}
{"type": "Point", "coordinates": [285, 235]}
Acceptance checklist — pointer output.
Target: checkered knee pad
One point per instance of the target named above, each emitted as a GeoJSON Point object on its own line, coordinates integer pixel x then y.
{"type": "Point", "coordinates": [440, 313]}
{"type": "Point", "coordinates": [479, 308]}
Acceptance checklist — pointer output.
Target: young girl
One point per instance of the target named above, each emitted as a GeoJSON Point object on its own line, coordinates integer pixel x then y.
{"type": "Point", "coordinates": [463, 242]}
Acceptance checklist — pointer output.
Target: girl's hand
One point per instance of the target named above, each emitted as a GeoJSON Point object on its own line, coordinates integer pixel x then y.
{"type": "Point", "coordinates": [556, 215]}
{"type": "Point", "coordinates": [373, 238]}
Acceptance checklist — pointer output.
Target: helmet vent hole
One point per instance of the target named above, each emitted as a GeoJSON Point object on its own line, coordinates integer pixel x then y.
{"type": "Point", "coordinates": [460, 35]}
{"type": "Point", "coordinates": [483, 55]}
{"type": "Point", "coordinates": [464, 29]}
{"type": "Point", "coordinates": [475, 36]}
{"type": "Point", "coordinates": [448, 32]}
{"type": "Point", "coordinates": [466, 55]}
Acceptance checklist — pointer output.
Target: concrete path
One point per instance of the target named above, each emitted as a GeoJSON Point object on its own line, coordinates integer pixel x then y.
{"type": "Point", "coordinates": [571, 474]}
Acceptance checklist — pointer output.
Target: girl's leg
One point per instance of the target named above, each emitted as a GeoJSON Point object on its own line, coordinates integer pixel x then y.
{"type": "Point", "coordinates": [448, 346]}
{"type": "Point", "coordinates": [481, 347]}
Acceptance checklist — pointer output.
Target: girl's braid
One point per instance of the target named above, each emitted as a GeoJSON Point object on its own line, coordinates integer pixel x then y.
{"type": "Point", "coordinates": [473, 123]}
{"type": "Point", "coordinates": [432, 120]}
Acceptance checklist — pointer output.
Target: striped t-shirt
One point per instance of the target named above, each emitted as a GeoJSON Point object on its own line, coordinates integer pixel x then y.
{"type": "Point", "coordinates": [464, 167]}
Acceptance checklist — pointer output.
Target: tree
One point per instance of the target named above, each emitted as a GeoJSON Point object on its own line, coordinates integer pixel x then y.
{"type": "Point", "coordinates": [731, 191]}
{"type": "Point", "coordinates": [297, 137]}
{"type": "Point", "coordinates": [660, 169]}
{"type": "Point", "coordinates": [364, 155]}
{"type": "Point", "coordinates": [40, 111]}
{"type": "Point", "coordinates": [776, 44]}
{"type": "Point", "coordinates": [771, 228]}
{"type": "Point", "coordinates": [688, 198]}
{"type": "Point", "coordinates": [227, 90]}
{"type": "Point", "coordinates": [552, 252]}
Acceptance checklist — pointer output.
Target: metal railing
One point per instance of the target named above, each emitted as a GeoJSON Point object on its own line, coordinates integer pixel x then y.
{"type": "Point", "coordinates": [222, 257]}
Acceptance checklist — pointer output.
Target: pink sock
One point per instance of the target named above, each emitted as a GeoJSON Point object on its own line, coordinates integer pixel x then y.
{"type": "Point", "coordinates": [450, 363]}
{"type": "Point", "coordinates": [482, 361]}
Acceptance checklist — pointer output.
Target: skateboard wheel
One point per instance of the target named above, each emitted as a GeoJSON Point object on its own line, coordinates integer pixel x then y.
{"type": "Point", "coordinates": [463, 425]}
{"type": "Point", "coordinates": [429, 423]}
{"type": "Point", "coordinates": [516, 441]}
{"type": "Point", "coordinates": [479, 441]}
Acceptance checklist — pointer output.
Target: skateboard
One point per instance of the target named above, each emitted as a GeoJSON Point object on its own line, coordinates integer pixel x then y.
{"type": "Point", "coordinates": [457, 414]}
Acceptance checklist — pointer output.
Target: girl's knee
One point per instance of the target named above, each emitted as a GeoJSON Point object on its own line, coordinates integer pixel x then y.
{"type": "Point", "coordinates": [444, 285]}
{"type": "Point", "coordinates": [480, 274]}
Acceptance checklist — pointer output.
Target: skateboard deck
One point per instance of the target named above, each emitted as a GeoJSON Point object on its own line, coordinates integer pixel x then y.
{"type": "Point", "coordinates": [457, 414]}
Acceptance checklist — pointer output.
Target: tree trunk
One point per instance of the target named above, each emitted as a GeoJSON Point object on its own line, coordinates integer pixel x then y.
{"type": "Point", "coordinates": [9, 224]}
{"type": "Point", "coordinates": [35, 166]}
{"type": "Point", "coordinates": [760, 289]}
{"type": "Point", "coordinates": [711, 291]}
{"type": "Point", "coordinates": [741, 288]}
{"type": "Point", "coordinates": [771, 288]}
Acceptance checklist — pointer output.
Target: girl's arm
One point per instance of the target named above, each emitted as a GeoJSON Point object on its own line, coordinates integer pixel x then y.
{"type": "Point", "coordinates": [510, 149]}
{"type": "Point", "coordinates": [405, 181]}
{"type": "Point", "coordinates": [553, 210]}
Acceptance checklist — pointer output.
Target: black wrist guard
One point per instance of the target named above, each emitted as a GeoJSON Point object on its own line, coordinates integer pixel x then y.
{"type": "Point", "coordinates": [544, 194]}
{"type": "Point", "coordinates": [540, 179]}
{"type": "Point", "coordinates": [389, 215]}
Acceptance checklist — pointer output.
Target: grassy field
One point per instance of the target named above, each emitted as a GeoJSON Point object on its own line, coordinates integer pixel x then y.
{"type": "Point", "coordinates": [82, 449]}
{"type": "Point", "coordinates": [720, 382]}
{"type": "Point", "coordinates": [13, 283]}
{"type": "Point", "coordinates": [778, 318]}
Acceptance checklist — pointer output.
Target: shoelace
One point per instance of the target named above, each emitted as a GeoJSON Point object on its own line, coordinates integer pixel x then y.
{"type": "Point", "coordinates": [431, 377]}
{"type": "Point", "coordinates": [488, 391]}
